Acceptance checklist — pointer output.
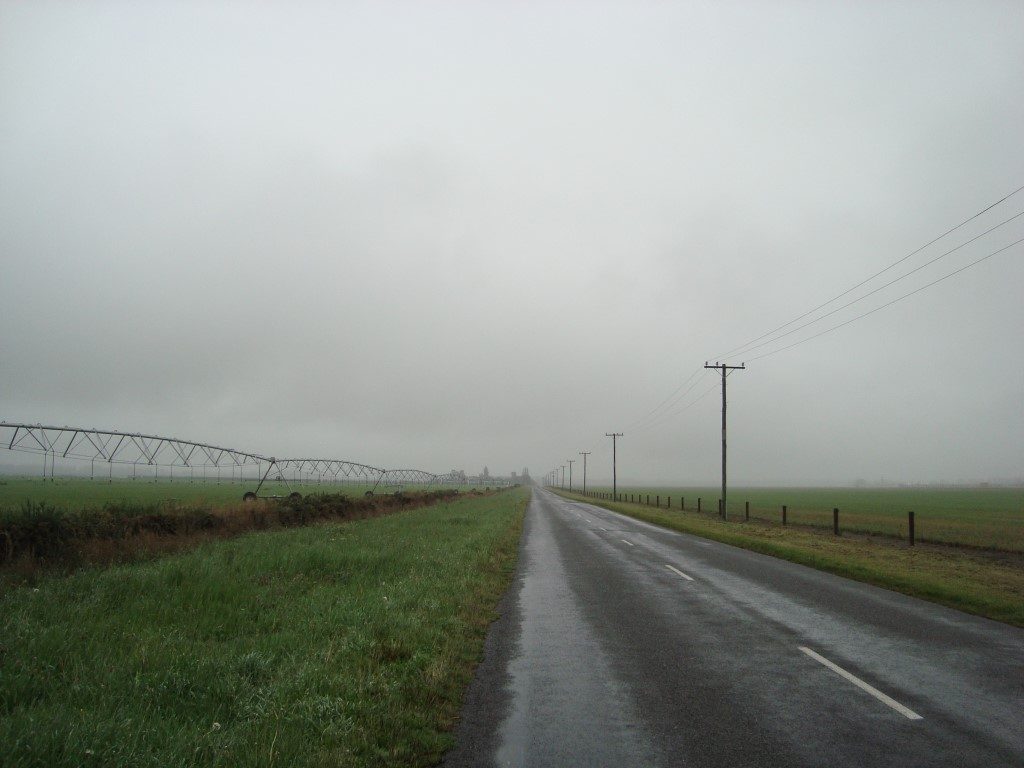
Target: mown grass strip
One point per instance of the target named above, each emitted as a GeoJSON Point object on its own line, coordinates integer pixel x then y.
{"type": "Point", "coordinates": [342, 644]}
{"type": "Point", "coordinates": [969, 580]}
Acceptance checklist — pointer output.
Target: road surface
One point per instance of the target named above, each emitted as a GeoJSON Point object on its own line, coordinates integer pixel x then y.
{"type": "Point", "coordinates": [624, 644]}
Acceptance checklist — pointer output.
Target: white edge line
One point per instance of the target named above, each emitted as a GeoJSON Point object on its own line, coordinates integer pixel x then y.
{"type": "Point", "coordinates": [680, 573]}
{"type": "Point", "coordinates": [907, 713]}
{"type": "Point", "coordinates": [627, 542]}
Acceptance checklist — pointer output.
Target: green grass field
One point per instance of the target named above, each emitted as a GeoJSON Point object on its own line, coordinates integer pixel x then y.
{"type": "Point", "coordinates": [341, 644]}
{"type": "Point", "coordinates": [82, 494]}
{"type": "Point", "coordinates": [981, 517]}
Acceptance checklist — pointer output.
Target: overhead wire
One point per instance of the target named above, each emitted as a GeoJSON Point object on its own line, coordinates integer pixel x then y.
{"type": "Point", "coordinates": [737, 350]}
{"type": "Point", "coordinates": [666, 410]}
{"type": "Point", "coordinates": [672, 414]}
{"type": "Point", "coordinates": [890, 303]}
{"type": "Point", "coordinates": [672, 397]}
{"type": "Point", "coordinates": [881, 287]}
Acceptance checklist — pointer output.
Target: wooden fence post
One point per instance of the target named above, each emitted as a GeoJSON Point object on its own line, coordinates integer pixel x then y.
{"type": "Point", "coordinates": [747, 511]}
{"type": "Point", "coordinates": [835, 521]}
{"type": "Point", "coordinates": [910, 527]}
{"type": "Point", "coordinates": [783, 514]}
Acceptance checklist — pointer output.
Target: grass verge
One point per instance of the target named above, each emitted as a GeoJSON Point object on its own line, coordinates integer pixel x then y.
{"type": "Point", "coordinates": [985, 583]}
{"type": "Point", "coordinates": [990, 518]}
{"type": "Point", "coordinates": [342, 644]}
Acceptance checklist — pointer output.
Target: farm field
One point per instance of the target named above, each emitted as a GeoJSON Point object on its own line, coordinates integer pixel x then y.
{"type": "Point", "coordinates": [345, 644]}
{"type": "Point", "coordinates": [980, 517]}
{"type": "Point", "coordinates": [76, 494]}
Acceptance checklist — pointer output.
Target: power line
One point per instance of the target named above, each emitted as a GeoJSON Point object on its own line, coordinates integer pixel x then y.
{"type": "Point", "coordinates": [658, 407]}
{"type": "Point", "coordinates": [653, 418]}
{"type": "Point", "coordinates": [872, 277]}
{"type": "Point", "coordinates": [674, 413]}
{"type": "Point", "coordinates": [665, 410]}
{"type": "Point", "coordinates": [890, 303]}
{"type": "Point", "coordinates": [749, 348]}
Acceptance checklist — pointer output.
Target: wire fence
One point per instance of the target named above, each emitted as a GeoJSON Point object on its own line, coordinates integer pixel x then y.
{"type": "Point", "coordinates": [980, 518]}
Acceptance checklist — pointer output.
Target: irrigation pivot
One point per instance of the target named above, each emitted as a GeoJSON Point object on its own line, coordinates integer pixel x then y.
{"type": "Point", "coordinates": [140, 450]}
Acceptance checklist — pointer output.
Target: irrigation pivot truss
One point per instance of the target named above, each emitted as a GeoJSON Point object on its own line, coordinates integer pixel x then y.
{"type": "Point", "coordinates": [414, 476]}
{"type": "Point", "coordinates": [135, 449]}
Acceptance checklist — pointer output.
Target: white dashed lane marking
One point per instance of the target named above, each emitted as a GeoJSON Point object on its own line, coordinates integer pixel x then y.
{"type": "Point", "coordinates": [678, 572]}
{"type": "Point", "coordinates": [907, 713]}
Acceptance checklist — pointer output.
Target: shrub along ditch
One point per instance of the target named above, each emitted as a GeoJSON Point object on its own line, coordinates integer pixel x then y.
{"type": "Point", "coordinates": [42, 533]}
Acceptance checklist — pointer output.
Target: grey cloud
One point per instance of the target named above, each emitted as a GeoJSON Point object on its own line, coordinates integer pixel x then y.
{"type": "Point", "coordinates": [455, 237]}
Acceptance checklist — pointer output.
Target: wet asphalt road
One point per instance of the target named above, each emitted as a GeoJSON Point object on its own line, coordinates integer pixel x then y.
{"type": "Point", "coordinates": [623, 644]}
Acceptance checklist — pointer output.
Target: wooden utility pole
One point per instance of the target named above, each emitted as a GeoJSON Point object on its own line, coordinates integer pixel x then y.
{"type": "Point", "coordinates": [571, 462]}
{"type": "Point", "coordinates": [563, 476]}
{"type": "Point", "coordinates": [724, 369]}
{"type": "Point", "coordinates": [584, 454]}
{"type": "Point", "coordinates": [615, 482]}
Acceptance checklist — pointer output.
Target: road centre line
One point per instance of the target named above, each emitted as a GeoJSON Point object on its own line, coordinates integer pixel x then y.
{"type": "Point", "coordinates": [907, 713]}
{"type": "Point", "coordinates": [677, 571]}
{"type": "Point", "coordinates": [627, 542]}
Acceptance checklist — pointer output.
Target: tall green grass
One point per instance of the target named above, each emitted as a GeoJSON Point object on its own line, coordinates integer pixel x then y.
{"type": "Point", "coordinates": [73, 494]}
{"type": "Point", "coordinates": [341, 644]}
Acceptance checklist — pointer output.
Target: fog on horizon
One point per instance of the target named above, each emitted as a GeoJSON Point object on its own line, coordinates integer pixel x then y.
{"type": "Point", "coordinates": [455, 236]}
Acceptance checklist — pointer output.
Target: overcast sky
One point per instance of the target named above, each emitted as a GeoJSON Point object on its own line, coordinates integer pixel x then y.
{"type": "Point", "coordinates": [443, 235]}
